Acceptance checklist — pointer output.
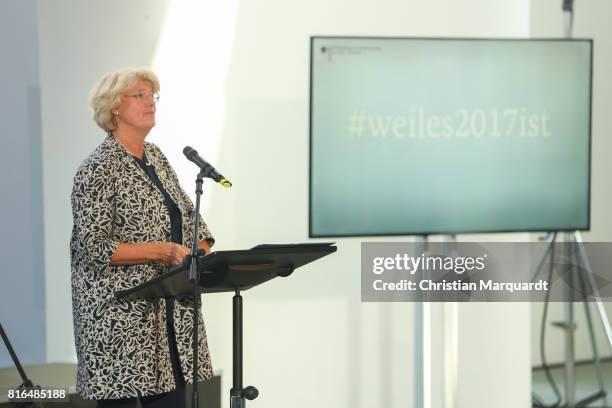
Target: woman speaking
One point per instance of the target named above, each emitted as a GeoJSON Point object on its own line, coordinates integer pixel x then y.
{"type": "Point", "coordinates": [132, 220]}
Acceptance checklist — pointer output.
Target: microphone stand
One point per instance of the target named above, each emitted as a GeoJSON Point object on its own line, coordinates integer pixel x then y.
{"type": "Point", "coordinates": [194, 277]}
{"type": "Point", "coordinates": [27, 383]}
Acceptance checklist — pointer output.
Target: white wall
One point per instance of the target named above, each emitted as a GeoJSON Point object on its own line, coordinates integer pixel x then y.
{"type": "Point", "coordinates": [591, 20]}
{"type": "Point", "coordinates": [22, 294]}
{"type": "Point", "coordinates": [309, 339]}
{"type": "Point", "coordinates": [79, 41]}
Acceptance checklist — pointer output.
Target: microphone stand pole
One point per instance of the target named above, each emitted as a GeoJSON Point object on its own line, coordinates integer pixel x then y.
{"type": "Point", "coordinates": [194, 277]}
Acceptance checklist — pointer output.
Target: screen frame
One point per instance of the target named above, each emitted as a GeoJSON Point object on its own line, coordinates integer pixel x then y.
{"type": "Point", "coordinates": [314, 38]}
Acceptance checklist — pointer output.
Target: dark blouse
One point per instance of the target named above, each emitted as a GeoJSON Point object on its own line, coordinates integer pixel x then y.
{"type": "Point", "coordinates": [176, 221]}
{"type": "Point", "coordinates": [176, 232]}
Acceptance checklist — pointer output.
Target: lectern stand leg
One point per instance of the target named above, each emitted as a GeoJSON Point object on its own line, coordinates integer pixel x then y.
{"type": "Point", "coordinates": [236, 398]}
{"type": "Point", "coordinates": [237, 393]}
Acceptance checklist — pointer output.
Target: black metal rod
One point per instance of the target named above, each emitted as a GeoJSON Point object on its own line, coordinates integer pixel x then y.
{"type": "Point", "coordinates": [194, 277]}
{"type": "Point", "coordinates": [237, 343]}
{"type": "Point", "coordinates": [9, 347]}
{"type": "Point", "coordinates": [196, 303]}
{"type": "Point", "coordinates": [193, 271]}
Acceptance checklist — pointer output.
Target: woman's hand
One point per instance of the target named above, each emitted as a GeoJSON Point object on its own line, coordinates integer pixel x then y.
{"type": "Point", "coordinates": [204, 245]}
{"type": "Point", "coordinates": [172, 253]}
{"type": "Point", "coordinates": [168, 252]}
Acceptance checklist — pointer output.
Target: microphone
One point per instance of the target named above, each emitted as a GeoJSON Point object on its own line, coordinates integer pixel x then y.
{"type": "Point", "coordinates": [208, 170]}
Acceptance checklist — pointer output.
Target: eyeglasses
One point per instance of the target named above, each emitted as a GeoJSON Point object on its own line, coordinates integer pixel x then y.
{"type": "Point", "coordinates": [141, 96]}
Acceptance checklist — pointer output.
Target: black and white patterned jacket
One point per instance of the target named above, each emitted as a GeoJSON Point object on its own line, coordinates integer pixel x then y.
{"type": "Point", "coordinates": [122, 346]}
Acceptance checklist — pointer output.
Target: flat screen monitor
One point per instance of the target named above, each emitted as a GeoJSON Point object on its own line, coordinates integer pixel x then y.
{"type": "Point", "coordinates": [418, 136]}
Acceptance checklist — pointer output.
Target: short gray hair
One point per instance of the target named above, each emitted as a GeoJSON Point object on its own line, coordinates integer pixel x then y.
{"type": "Point", "coordinates": [106, 94]}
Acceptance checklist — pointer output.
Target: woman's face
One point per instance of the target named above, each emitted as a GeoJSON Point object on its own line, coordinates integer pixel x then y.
{"type": "Point", "coordinates": [137, 109]}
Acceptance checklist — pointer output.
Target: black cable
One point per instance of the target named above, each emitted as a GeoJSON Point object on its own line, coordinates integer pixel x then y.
{"type": "Point", "coordinates": [547, 372]}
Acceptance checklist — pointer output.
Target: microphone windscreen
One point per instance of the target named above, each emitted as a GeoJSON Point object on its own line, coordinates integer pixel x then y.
{"type": "Point", "coordinates": [188, 151]}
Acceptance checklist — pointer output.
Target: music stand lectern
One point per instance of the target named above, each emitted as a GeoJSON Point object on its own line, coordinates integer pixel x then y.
{"type": "Point", "coordinates": [231, 271]}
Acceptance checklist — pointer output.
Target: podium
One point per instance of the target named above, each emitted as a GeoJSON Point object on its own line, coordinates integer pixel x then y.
{"type": "Point", "coordinates": [230, 271]}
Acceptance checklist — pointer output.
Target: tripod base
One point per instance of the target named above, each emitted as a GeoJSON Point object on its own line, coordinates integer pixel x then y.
{"type": "Point", "coordinates": [237, 401]}
{"type": "Point", "coordinates": [237, 398]}
{"type": "Point", "coordinates": [576, 277]}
